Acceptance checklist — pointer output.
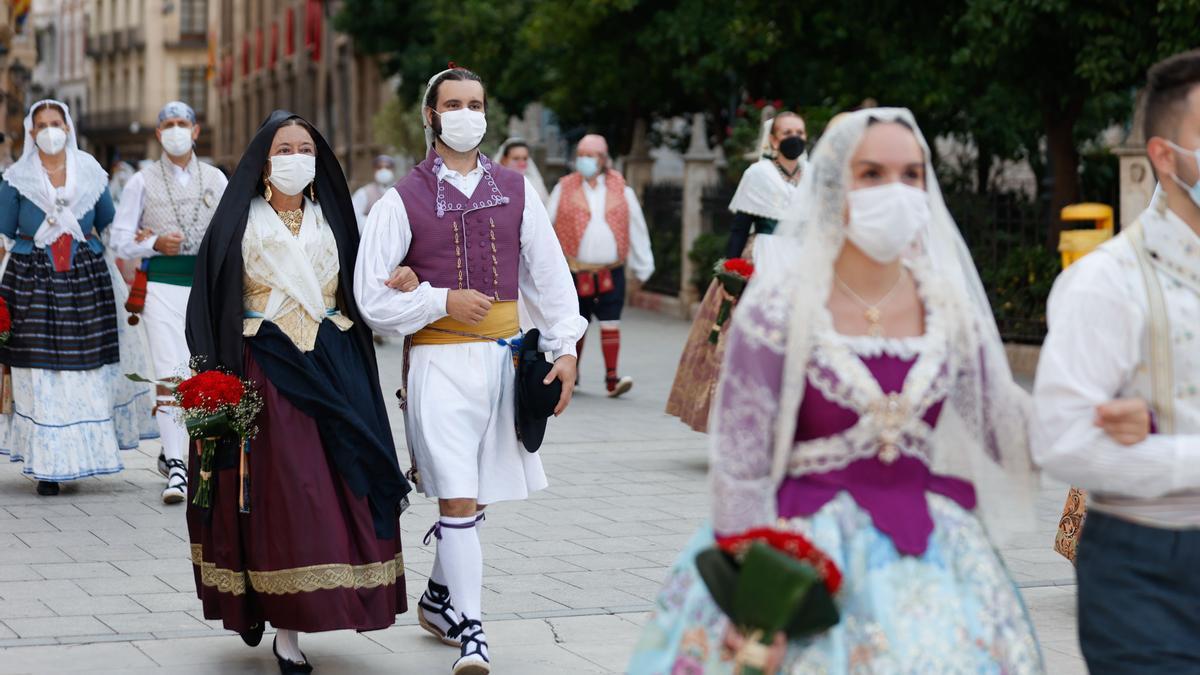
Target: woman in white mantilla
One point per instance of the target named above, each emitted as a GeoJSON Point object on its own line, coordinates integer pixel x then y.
{"type": "Point", "coordinates": [767, 193]}
{"type": "Point", "coordinates": [861, 381]}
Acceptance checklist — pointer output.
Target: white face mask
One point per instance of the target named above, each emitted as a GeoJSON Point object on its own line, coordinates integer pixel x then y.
{"type": "Point", "coordinates": [177, 141]}
{"type": "Point", "coordinates": [290, 174]}
{"type": "Point", "coordinates": [52, 140]}
{"type": "Point", "coordinates": [462, 130]}
{"type": "Point", "coordinates": [885, 219]}
{"type": "Point", "coordinates": [385, 176]}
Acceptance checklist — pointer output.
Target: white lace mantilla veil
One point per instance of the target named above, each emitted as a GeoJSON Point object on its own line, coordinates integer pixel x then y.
{"type": "Point", "coordinates": [764, 376]}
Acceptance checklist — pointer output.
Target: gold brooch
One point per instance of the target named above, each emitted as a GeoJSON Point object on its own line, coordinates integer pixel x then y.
{"type": "Point", "coordinates": [292, 220]}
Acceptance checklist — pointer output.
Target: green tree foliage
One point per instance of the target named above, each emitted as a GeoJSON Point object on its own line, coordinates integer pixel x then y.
{"type": "Point", "coordinates": [1020, 79]}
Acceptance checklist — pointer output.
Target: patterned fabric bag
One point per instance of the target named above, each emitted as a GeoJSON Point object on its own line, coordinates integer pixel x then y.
{"type": "Point", "coordinates": [1071, 523]}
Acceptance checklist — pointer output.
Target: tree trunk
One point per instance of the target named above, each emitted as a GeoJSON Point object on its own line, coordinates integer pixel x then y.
{"type": "Point", "coordinates": [983, 169]}
{"type": "Point", "coordinates": [1064, 162]}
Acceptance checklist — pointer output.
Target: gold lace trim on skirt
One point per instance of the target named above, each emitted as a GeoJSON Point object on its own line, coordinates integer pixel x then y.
{"type": "Point", "coordinates": [299, 579]}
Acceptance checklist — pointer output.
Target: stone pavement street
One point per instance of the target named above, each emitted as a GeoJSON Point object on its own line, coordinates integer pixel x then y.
{"type": "Point", "coordinates": [99, 579]}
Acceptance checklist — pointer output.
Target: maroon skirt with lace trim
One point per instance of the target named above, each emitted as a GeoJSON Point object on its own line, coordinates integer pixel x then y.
{"type": "Point", "coordinates": [306, 556]}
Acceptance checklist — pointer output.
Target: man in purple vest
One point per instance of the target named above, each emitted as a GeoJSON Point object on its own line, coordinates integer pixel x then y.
{"type": "Point", "coordinates": [473, 233]}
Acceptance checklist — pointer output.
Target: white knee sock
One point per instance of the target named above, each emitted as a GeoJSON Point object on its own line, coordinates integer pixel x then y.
{"type": "Point", "coordinates": [461, 561]}
{"type": "Point", "coordinates": [437, 575]}
{"type": "Point", "coordinates": [287, 643]}
{"type": "Point", "coordinates": [172, 434]}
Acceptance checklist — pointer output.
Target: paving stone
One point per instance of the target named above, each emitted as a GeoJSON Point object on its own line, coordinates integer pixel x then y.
{"type": "Point", "coordinates": [62, 657]}
{"type": "Point", "coordinates": [122, 586]}
{"type": "Point", "coordinates": [26, 525]}
{"type": "Point", "coordinates": [166, 602]}
{"type": "Point", "coordinates": [92, 606]}
{"type": "Point", "coordinates": [57, 539]}
{"type": "Point", "coordinates": [24, 609]}
{"type": "Point", "coordinates": [151, 622]}
{"type": "Point", "coordinates": [34, 590]}
{"type": "Point", "coordinates": [17, 573]}
{"type": "Point", "coordinates": [539, 549]}
{"type": "Point", "coordinates": [58, 626]}
{"type": "Point", "coordinates": [79, 570]}
{"type": "Point", "coordinates": [21, 554]}
{"type": "Point", "coordinates": [104, 553]}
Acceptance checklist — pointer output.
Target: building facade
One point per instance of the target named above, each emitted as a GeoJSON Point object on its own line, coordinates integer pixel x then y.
{"type": "Point", "coordinates": [18, 57]}
{"type": "Point", "coordinates": [60, 28]}
{"type": "Point", "coordinates": [144, 53]}
{"type": "Point", "coordinates": [285, 54]}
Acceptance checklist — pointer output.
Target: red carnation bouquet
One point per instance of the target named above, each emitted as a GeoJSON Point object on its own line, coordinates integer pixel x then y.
{"type": "Point", "coordinates": [5, 322]}
{"type": "Point", "coordinates": [217, 406]}
{"type": "Point", "coordinates": [733, 274]}
{"type": "Point", "coordinates": [770, 581]}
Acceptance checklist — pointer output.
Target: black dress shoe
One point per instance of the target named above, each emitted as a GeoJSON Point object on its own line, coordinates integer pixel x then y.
{"type": "Point", "coordinates": [253, 636]}
{"type": "Point", "coordinates": [47, 488]}
{"type": "Point", "coordinates": [291, 667]}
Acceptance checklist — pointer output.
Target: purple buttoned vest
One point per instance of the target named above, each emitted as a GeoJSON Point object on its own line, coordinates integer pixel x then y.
{"type": "Point", "coordinates": [461, 241]}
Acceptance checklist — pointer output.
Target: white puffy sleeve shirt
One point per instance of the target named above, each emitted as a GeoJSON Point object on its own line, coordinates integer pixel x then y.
{"type": "Point", "coordinates": [1097, 323]}
{"type": "Point", "coordinates": [544, 281]}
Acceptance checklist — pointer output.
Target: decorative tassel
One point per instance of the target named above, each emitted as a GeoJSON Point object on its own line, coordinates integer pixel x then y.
{"type": "Point", "coordinates": [244, 499]}
{"type": "Point", "coordinates": [208, 450]}
{"type": "Point", "coordinates": [136, 303]}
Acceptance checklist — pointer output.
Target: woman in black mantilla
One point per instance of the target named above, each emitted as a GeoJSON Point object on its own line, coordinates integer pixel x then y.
{"type": "Point", "coordinates": [319, 548]}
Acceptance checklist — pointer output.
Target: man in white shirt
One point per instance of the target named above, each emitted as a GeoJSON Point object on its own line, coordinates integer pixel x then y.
{"type": "Point", "coordinates": [602, 230]}
{"type": "Point", "coordinates": [1118, 411]}
{"type": "Point", "coordinates": [366, 196]}
{"type": "Point", "coordinates": [163, 214]}
{"type": "Point", "coordinates": [475, 234]}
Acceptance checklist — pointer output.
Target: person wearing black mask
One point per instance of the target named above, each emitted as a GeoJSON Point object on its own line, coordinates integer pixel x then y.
{"type": "Point", "coordinates": [764, 196]}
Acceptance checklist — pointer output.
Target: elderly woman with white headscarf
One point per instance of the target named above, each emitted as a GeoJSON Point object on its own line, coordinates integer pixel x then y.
{"type": "Point", "coordinates": [863, 378]}
{"type": "Point", "coordinates": [73, 410]}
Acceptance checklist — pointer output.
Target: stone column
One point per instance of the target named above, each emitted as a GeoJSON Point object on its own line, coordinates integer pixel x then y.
{"type": "Point", "coordinates": [639, 164]}
{"type": "Point", "coordinates": [699, 172]}
{"type": "Point", "coordinates": [1136, 175]}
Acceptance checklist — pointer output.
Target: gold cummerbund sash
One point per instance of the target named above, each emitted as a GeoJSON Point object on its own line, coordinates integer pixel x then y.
{"type": "Point", "coordinates": [500, 323]}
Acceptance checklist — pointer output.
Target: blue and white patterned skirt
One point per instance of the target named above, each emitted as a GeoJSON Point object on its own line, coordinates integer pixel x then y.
{"type": "Point", "coordinates": [953, 610]}
{"type": "Point", "coordinates": [71, 424]}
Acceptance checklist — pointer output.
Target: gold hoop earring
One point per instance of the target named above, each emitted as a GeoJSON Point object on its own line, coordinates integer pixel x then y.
{"type": "Point", "coordinates": [267, 192]}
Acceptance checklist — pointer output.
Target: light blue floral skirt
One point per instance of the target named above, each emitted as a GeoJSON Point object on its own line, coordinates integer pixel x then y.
{"type": "Point", "coordinates": [952, 610]}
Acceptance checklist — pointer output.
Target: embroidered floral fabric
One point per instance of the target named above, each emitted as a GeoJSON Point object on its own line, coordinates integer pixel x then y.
{"type": "Point", "coordinates": [951, 610]}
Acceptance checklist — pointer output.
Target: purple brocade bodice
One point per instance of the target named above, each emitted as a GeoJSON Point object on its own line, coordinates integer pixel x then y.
{"type": "Point", "coordinates": [894, 494]}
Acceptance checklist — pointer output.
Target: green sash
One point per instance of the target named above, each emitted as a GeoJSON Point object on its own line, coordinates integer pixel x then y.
{"type": "Point", "coordinates": [176, 270]}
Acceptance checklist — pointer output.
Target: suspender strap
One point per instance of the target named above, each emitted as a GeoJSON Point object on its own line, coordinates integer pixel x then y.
{"type": "Point", "coordinates": [1162, 369]}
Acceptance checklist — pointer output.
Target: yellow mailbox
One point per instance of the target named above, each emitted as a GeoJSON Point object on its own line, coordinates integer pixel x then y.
{"type": "Point", "coordinates": [1074, 244]}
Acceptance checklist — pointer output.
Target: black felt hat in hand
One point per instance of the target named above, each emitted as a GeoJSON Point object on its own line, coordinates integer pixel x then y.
{"type": "Point", "coordinates": [535, 401]}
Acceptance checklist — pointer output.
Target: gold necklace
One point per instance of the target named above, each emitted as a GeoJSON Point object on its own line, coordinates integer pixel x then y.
{"type": "Point", "coordinates": [872, 312]}
{"type": "Point", "coordinates": [292, 220]}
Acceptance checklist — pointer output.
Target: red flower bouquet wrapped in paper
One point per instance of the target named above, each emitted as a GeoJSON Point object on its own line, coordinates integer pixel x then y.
{"type": "Point", "coordinates": [770, 581]}
{"type": "Point", "coordinates": [215, 405]}
{"type": "Point", "coordinates": [733, 274]}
